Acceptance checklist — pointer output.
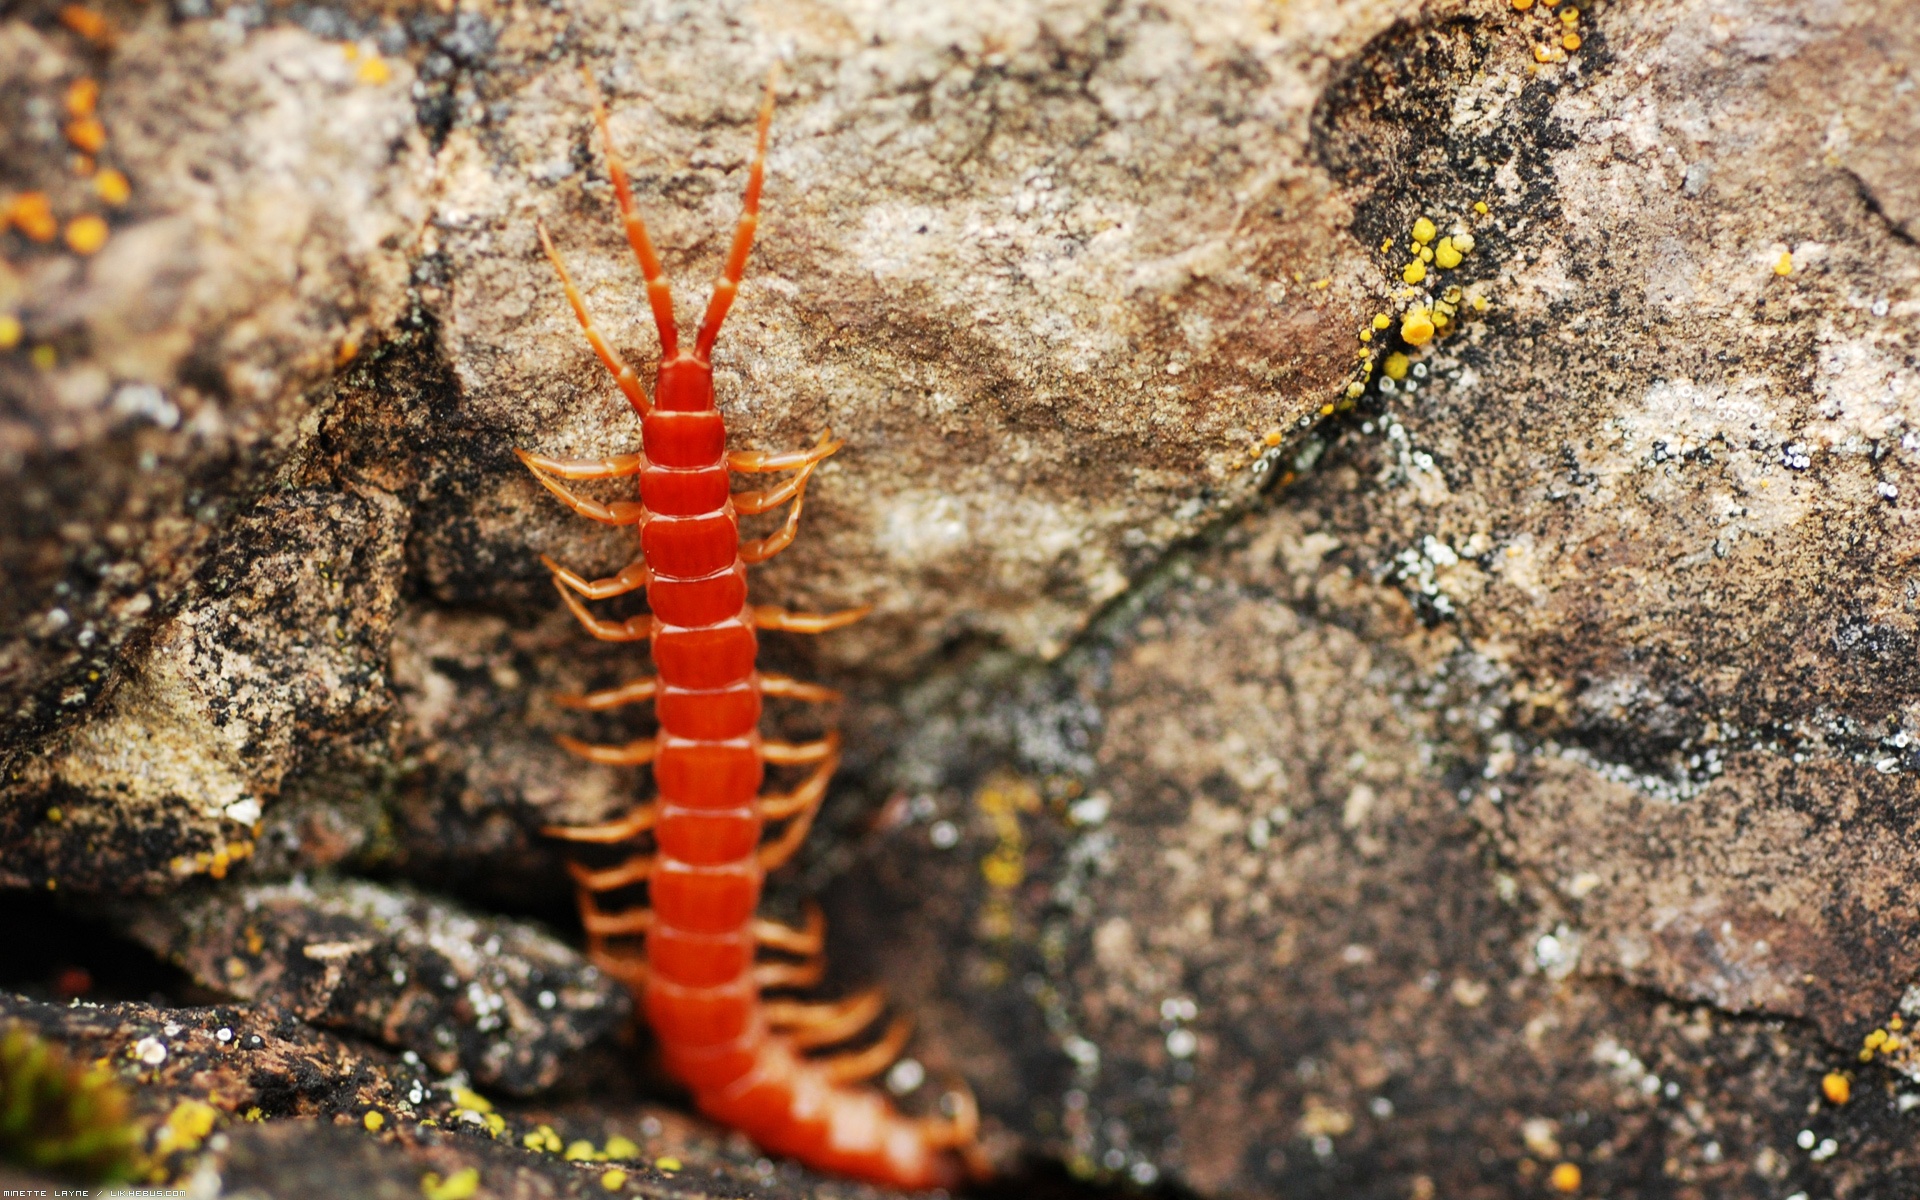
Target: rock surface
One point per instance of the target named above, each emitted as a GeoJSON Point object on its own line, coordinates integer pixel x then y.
{"type": "Point", "coordinates": [498, 999]}
{"type": "Point", "coordinates": [243, 1102]}
{"type": "Point", "coordinates": [1525, 783]}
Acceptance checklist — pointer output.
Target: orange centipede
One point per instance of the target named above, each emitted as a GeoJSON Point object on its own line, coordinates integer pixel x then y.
{"type": "Point", "coordinates": [691, 953]}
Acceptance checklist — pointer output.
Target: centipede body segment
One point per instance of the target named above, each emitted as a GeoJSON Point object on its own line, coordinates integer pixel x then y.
{"type": "Point", "coordinates": [692, 953]}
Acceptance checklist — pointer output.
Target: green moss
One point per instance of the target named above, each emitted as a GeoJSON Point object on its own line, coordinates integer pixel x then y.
{"type": "Point", "coordinates": [58, 1116]}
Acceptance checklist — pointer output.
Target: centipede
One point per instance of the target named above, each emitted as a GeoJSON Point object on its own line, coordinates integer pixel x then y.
{"type": "Point", "coordinates": [776, 1067]}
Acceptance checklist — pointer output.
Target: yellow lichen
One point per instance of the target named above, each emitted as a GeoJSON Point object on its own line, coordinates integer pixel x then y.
{"type": "Point", "coordinates": [1414, 272]}
{"type": "Point", "coordinates": [579, 1151]}
{"type": "Point", "coordinates": [667, 1162]}
{"type": "Point", "coordinates": [111, 186]}
{"type": "Point", "coordinates": [614, 1180]}
{"type": "Point", "coordinates": [1396, 367]}
{"type": "Point", "coordinates": [1564, 1178]}
{"type": "Point", "coordinates": [619, 1147]}
{"type": "Point", "coordinates": [1416, 328]}
{"type": "Point", "coordinates": [374, 1121]}
{"type": "Point", "coordinates": [1446, 254]}
{"type": "Point", "coordinates": [1784, 264]}
{"type": "Point", "coordinates": [1837, 1088]}
{"type": "Point", "coordinates": [460, 1185]}
{"type": "Point", "coordinates": [373, 71]}
{"type": "Point", "coordinates": [1381, 320]}
{"type": "Point", "coordinates": [11, 331]}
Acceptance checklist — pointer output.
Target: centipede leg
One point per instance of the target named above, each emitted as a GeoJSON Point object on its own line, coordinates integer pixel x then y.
{"type": "Point", "coordinates": [865, 1064]}
{"type": "Point", "coordinates": [620, 466]}
{"type": "Point", "coordinates": [600, 923]}
{"type": "Point", "coordinates": [789, 754]}
{"type": "Point", "coordinates": [636, 628]}
{"type": "Point", "coordinates": [629, 969]}
{"type": "Point", "coordinates": [789, 975]}
{"type": "Point", "coordinates": [620, 512]}
{"type": "Point", "coordinates": [634, 870]}
{"type": "Point", "coordinates": [788, 940]}
{"type": "Point", "coordinates": [761, 549]}
{"type": "Point", "coordinates": [767, 616]}
{"type": "Point", "coordinates": [633, 754]}
{"type": "Point", "coordinates": [631, 578]}
{"type": "Point", "coordinates": [781, 805]}
{"type": "Point", "coordinates": [752, 503]}
{"type": "Point", "coordinates": [793, 689]}
{"type": "Point", "coordinates": [638, 691]}
{"type": "Point", "coordinates": [625, 829]}
{"type": "Point", "coordinates": [810, 1026]}
{"type": "Point", "coordinates": [766, 462]}
{"type": "Point", "coordinates": [776, 853]}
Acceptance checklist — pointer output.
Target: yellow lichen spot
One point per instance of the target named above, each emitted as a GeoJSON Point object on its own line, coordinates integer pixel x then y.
{"type": "Point", "coordinates": [667, 1162]}
{"type": "Point", "coordinates": [1381, 320]}
{"type": "Point", "coordinates": [186, 1127]}
{"type": "Point", "coordinates": [1396, 367]}
{"type": "Point", "coordinates": [32, 214]}
{"type": "Point", "coordinates": [1543, 54]}
{"type": "Point", "coordinates": [1570, 17]}
{"type": "Point", "coordinates": [1415, 271]}
{"type": "Point", "coordinates": [1386, 247]}
{"type": "Point", "coordinates": [1837, 1088]}
{"type": "Point", "coordinates": [579, 1151]}
{"type": "Point", "coordinates": [1784, 264]}
{"type": "Point", "coordinates": [1894, 1022]}
{"type": "Point", "coordinates": [82, 95]}
{"type": "Point", "coordinates": [44, 357]}
{"type": "Point", "coordinates": [1866, 1056]}
{"type": "Point", "coordinates": [87, 23]}
{"type": "Point", "coordinates": [614, 1180]}
{"type": "Point", "coordinates": [111, 186]}
{"type": "Point", "coordinates": [1355, 390]}
{"type": "Point", "coordinates": [374, 1121]}
{"type": "Point", "coordinates": [1321, 285]}
{"type": "Point", "coordinates": [458, 1186]}
{"type": "Point", "coordinates": [496, 1124]}
{"type": "Point", "coordinates": [11, 332]}
{"type": "Point", "coordinates": [85, 235]}
{"type": "Point", "coordinates": [1480, 206]}
{"type": "Point", "coordinates": [1424, 231]}
{"type": "Point", "coordinates": [1570, 42]}
{"type": "Point", "coordinates": [1274, 437]}
{"type": "Point", "coordinates": [254, 1114]}
{"type": "Point", "coordinates": [1446, 254]}
{"type": "Point", "coordinates": [1417, 326]}
{"type": "Point", "coordinates": [464, 1097]}
{"type": "Point", "coordinates": [1326, 410]}
{"type": "Point", "coordinates": [373, 71]}
{"type": "Point", "coordinates": [1479, 303]}
{"type": "Point", "coordinates": [1564, 1178]}
{"type": "Point", "coordinates": [1549, 3]}
{"type": "Point", "coordinates": [1875, 1040]}
{"type": "Point", "coordinates": [1522, 5]}
{"type": "Point", "coordinates": [87, 134]}
{"type": "Point", "coordinates": [1366, 335]}
{"type": "Point", "coordinates": [619, 1147]}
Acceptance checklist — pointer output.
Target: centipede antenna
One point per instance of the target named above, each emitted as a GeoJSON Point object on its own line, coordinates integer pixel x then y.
{"type": "Point", "coordinates": [659, 291]}
{"type": "Point", "coordinates": [728, 284]}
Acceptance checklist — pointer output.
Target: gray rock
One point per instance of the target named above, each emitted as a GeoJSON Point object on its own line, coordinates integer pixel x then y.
{"type": "Point", "coordinates": [497, 999]}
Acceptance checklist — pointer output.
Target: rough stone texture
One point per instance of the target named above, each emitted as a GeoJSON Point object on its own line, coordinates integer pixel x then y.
{"type": "Point", "coordinates": [1551, 731]}
{"type": "Point", "coordinates": [290, 1107]}
{"type": "Point", "coordinates": [498, 999]}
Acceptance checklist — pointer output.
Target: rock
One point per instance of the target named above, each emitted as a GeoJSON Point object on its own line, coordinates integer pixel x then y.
{"type": "Point", "coordinates": [242, 1101]}
{"type": "Point", "coordinates": [495, 998]}
{"type": "Point", "coordinates": [1513, 774]}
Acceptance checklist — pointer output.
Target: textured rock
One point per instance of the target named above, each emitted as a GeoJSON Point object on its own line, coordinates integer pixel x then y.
{"type": "Point", "coordinates": [1551, 732]}
{"type": "Point", "coordinates": [497, 999]}
{"type": "Point", "coordinates": [240, 1102]}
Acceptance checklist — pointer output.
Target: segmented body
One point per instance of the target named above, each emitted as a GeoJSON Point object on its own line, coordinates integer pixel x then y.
{"type": "Point", "coordinates": [692, 954]}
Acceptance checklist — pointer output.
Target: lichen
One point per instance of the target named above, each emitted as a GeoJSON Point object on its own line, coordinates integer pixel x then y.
{"type": "Point", "coordinates": [56, 1115]}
